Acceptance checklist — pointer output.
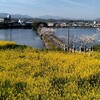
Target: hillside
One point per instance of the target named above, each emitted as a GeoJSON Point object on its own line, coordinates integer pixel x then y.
{"type": "Point", "coordinates": [2, 15]}
{"type": "Point", "coordinates": [50, 17]}
{"type": "Point", "coordinates": [33, 74]}
{"type": "Point", "coordinates": [98, 19]}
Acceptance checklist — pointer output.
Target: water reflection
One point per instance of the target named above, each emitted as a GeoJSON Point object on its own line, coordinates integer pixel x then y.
{"type": "Point", "coordinates": [8, 35]}
{"type": "Point", "coordinates": [75, 33]}
{"type": "Point", "coordinates": [22, 36]}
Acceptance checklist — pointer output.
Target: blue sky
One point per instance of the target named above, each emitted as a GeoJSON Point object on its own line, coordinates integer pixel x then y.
{"type": "Point", "coordinates": [87, 9]}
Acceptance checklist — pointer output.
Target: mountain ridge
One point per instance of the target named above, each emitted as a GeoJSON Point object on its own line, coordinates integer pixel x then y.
{"type": "Point", "coordinates": [3, 15]}
{"type": "Point", "coordinates": [50, 17]}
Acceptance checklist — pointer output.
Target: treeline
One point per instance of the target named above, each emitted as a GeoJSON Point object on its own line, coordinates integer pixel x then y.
{"type": "Point", "coordinates": [36, 25]}
{"type": "Point", "coordinates": [14, 25]}
{"type": "Point", "coordinates": [96, 48]}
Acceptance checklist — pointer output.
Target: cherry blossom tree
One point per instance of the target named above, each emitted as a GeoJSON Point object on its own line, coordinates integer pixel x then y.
{"type": "Point", "coordinates": [87, 41]}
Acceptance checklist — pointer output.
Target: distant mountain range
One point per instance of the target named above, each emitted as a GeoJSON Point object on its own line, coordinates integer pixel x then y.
{"type": "Point", "coordinates": [98, 19]}
{"type": "Point", "coordinates": [59, 18]}
{"type": "Point", "coordinates": [50, 17]}
{"type": "Point", "coordinates": [2, 15]}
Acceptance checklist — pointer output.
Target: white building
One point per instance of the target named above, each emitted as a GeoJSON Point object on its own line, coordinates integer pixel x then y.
{"type": "Point", "coordinates": [63, 24]}
{"type": "Point", "coordinates": [20, 21]}
{"type": "Point", "coordinates": [50, 24]}
{"type": "Point", "coordinates": [1, 20]}
{"type": "Point", "coordinates": [9, 16]}
{"type": "Point", "coordinates": [94, 22]}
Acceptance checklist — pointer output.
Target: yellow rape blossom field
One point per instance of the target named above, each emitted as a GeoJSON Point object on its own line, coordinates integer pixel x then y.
{"type": "Point", "coordinates": [33, 74]}
{"type": "Point", "coordinates": [4, 43]}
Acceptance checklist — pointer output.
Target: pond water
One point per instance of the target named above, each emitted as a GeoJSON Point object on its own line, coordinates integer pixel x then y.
{"type": "Point", "coordinates": [76, 33]}
{"type": "Point", "coordinates": [30, 38]}
{"type": "Point", "coordinates": [22, 36]}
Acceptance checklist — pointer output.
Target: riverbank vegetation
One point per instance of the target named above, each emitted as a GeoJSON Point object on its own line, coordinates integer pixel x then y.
{"type": "Point", "coordinates": [96, 48]}
{"type": "Point", "coordinates": [33, 74]}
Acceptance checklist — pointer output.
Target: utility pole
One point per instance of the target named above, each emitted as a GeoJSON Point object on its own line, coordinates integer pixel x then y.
{"type": "Point", "coordinates": [68, 40]}
{"type": "Point", "coordinates": [10, 35]}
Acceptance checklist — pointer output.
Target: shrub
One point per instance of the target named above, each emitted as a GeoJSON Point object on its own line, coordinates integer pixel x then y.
{"type": "Point", "coordinates": [96, 48]}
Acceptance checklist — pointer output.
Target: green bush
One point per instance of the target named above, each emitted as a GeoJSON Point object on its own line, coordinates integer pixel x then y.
{"type": "Point", "coordinates": [96, 48]}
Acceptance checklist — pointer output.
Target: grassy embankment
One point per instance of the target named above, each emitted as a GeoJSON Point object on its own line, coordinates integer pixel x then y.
{"type": "Point", "coordinates": [31, 74]}
{"type": "Point", "coordinates": [96, 48]}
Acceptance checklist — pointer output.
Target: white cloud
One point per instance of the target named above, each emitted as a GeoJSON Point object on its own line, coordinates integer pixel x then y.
{"type": "Point", "coordinates": [76, 3]}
